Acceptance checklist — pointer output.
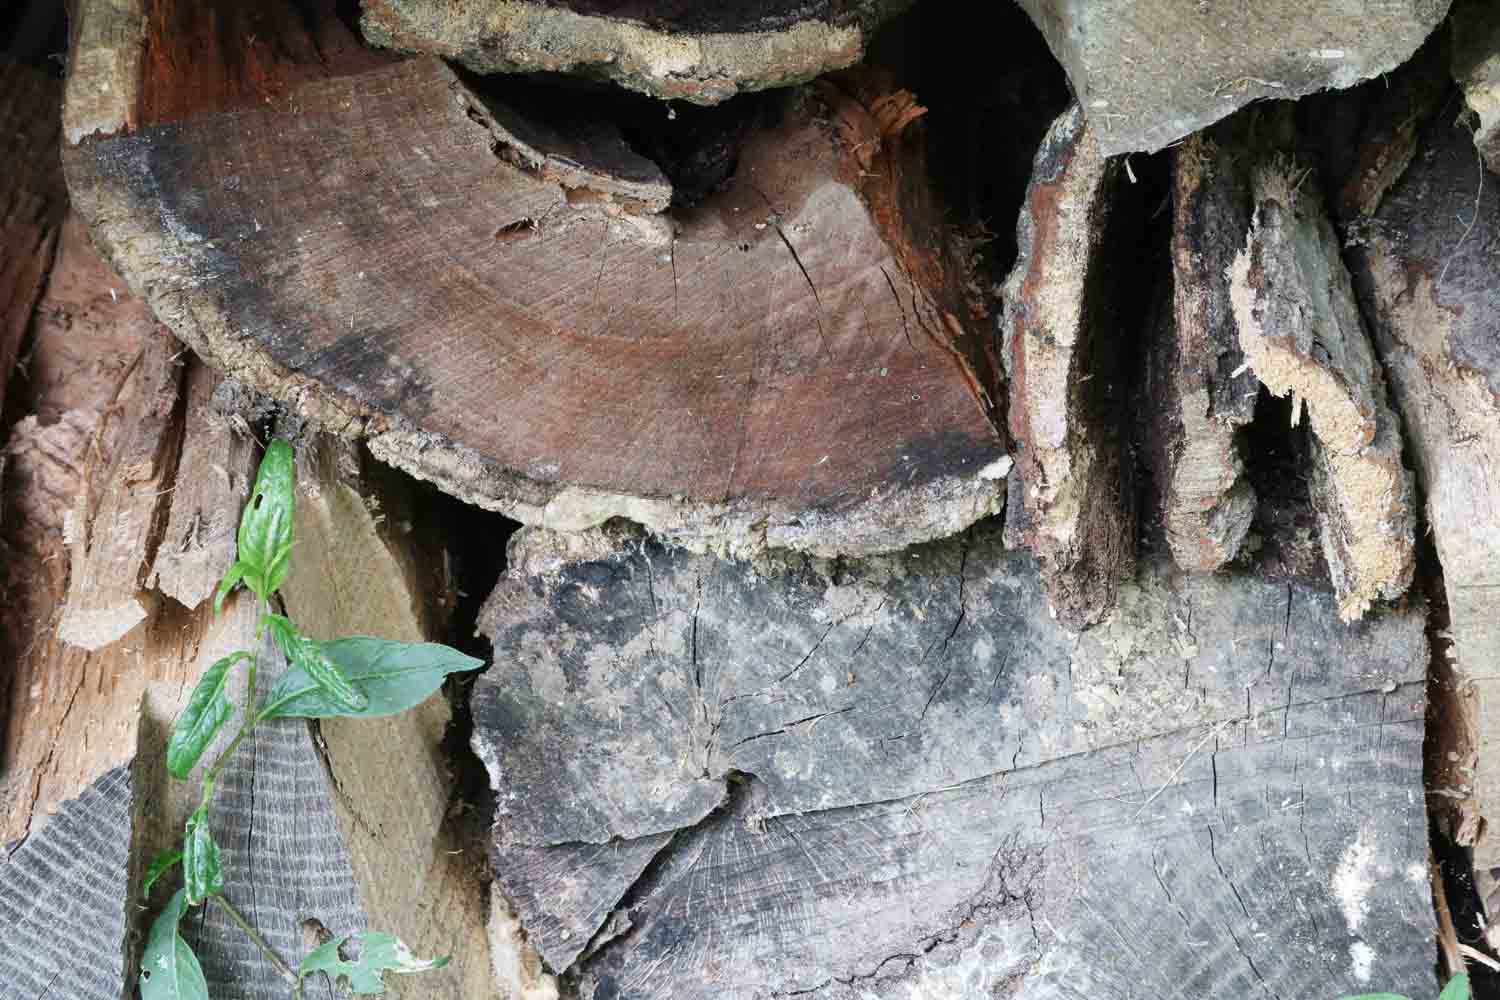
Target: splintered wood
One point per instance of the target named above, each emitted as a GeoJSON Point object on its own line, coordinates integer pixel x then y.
{"type": "Point", "coordinates": [1067, 380]}
{"type": "Point", "coordinates": [1301, 332]}
{"type": "Point", "coordinates": [898, 777]}
{"type": "Point", "coordinates": [1201, 393]}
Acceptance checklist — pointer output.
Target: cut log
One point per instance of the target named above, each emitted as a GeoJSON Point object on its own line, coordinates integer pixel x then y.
{"type": "Point", "coordinates": [213, 476]}
{"type": "Point", "coordinates": [1476, 67]}
{"type": "Point", "coordinates": [1149, 73]}
{"type": "Point", "coordinates": [363, 567]}
{"type": "Point", "coordinates": [704, 53]}
{"type": "Point", "coordinates": [898, 777]}
{"type": "Point", "coordinates": [1302, 334]}
{"type": "Point", "coordinates": [797, 361]}
{"type": "Point", "coordinates": [1067, 376]}
{"type": "Point", "coordinates": [1426, 271]}
{"type": "Point", "coordinates": [1201, 392]}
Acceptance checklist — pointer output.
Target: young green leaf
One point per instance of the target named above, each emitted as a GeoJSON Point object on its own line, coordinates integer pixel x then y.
{"type": "Point", "coordinates": [207, 710]}
{"type": "Point", "coordinates": [164, 863]}
{"type": "Point", "coordinates": [305, 655]}
{"type": "Point", "coordinates": [230, 581]}
{"type": "Point", "coordinates": [1457, 988]}
{"type": "Point", "coordinates": [265, 538]}
{"type": "Point", "coordinates": [169, 969]}
{"type": "Point", "coordinates": [202, 869]}
{"type": "Point", "coordinates": [392, 677]}
{"type": "Point", "coordinates": [378, 954]}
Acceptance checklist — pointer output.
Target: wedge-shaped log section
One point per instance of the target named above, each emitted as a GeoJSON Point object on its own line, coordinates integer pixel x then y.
{"type": "Point", "coordinates": [1200, 391]}
{"type": "Point", "coordinates": [1065, 361]}
{"type": "Point", "coordinates": [898, 777]}
{"type": "Point", "coordinates": [1151, 71]}
{"type": "Point", "coordinates": [1302, 334]}
{"type": "Point", "coordinates": [704, 53]}
{"type": "Point", "coordinates": [1427, 280]}
{"type": "Point", "coordinates": [507, 312]}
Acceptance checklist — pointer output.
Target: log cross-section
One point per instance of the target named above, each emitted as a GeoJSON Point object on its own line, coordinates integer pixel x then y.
{"type": "Point", "coordinates": [510, 311]}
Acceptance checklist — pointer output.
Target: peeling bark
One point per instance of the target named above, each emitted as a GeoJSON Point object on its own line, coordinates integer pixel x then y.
{"type": "Point", "coordinates": [1302, 334]}
{"type": "Point", "coordinates": [1476, 67]}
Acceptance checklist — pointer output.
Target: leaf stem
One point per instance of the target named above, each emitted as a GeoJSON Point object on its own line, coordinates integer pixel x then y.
{"type": "Point", "coordinates": [260, 942]}
{"type": "Point", "coordinates": [250, 718]}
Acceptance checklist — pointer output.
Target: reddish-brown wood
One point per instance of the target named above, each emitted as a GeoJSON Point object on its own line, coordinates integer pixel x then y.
{"type": "Point", "coordinates": [501, 308]}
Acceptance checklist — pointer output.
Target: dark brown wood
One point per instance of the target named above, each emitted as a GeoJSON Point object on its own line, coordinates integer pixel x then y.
{"type": "Point", "coordinates": [798, 360]}
{"type": "Point", "coordinates": [1068, 374]}
{"type": "Point", "coordinates": [32, 198]}
{"type": "Point", "coordinates": [703, 53]}
{"type": "Point", "coordinates": [898, 777]}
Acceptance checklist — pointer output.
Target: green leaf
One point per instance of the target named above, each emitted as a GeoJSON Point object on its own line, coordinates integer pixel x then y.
{"type": "Point", "coordinates": [1457, 988]}
{"type": "Point", "coordinates": [265, 538]}
{"type": "Point", "coordinates": [169, 969]}
{"type": "Point", "coordinates": [230, 581]}
{"type": "Point", "coordinates": [164, 863]}
{"type": "Point", "coordinates": [206, 712]}
{"type": "Point", "coordinates": [378, 953]}
{"type": "Point", "coordinates": [202, 869]}
{"type": "Point", "coordinates": [304, 654]}
{"type": "Point", "coordinates": [392, 676]}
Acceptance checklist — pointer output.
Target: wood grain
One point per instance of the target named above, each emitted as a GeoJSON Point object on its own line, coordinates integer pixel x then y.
{"type": "Point", "coordinates": [796, 361]}
{"type": "Point", "coordinates": [899, 776]}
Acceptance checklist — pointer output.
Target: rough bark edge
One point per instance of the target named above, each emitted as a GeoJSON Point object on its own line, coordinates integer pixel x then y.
{"type": "Point", "coordinates": [516, 36]}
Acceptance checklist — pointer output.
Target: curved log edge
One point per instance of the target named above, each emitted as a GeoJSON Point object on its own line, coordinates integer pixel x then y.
{"type": "Point", "coordinates": [794, 362]}
{"type": "Point", "coordinates": [898, 776]}
{"type": "Point", "coordinates": [703, 53]}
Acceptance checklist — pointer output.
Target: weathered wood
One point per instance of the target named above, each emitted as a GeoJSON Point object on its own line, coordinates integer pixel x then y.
{"type": "Point", "coordinates": [114, 528]}
{"type": "Point", "coordinates": [1067, 376]}
{"type": "Point", "coordinates": [212, 480]}
{"type": "Point", "coordinates": [899, 777]}
{"type": "Point", "coordinates": [32, 199]}
{"type": "Point", "coordinates": [363, 567]}
{"type": "Point", "coordinates": [1476, 67]}
{"type": "Point", "coordinates": [704, 53]}
{"type": "Point", "coordinates": [1199, 390]}
{"type": "Point", "coordinates": [1149, 73]}
{"type": "Point", "coordinates": [798, 360]}
{"type": "Point", "coordinates": [1426, 270]}
{"type": "Point", "coordinates": [1302, 335]}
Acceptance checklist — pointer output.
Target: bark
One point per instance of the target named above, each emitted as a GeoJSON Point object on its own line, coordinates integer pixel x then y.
{"type": "Point", "coordinates": [1068, 377]}
{"type": "Point", "coordinates": [700, 53]}
{"type": "Point", "coordinates": [798, 360]}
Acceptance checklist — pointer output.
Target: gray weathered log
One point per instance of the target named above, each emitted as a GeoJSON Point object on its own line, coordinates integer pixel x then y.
{"type": "Point", "coordinates": [1426, 274]}
{"type": "Point", "coordinates": [703, 53]}
{"type": "Point", "coordinates": [1148, 72]}
{"type": "Point", "coordinates": [1067, 378]}
{"type": "Point", "coordinates": [1200, 392]}
{"type": "Point", "coordinates": [898, 776]}
{"type": "Point", "coordinates": [1476, 67]}
{"type": "Point", "coordinates": [1302, 334]}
